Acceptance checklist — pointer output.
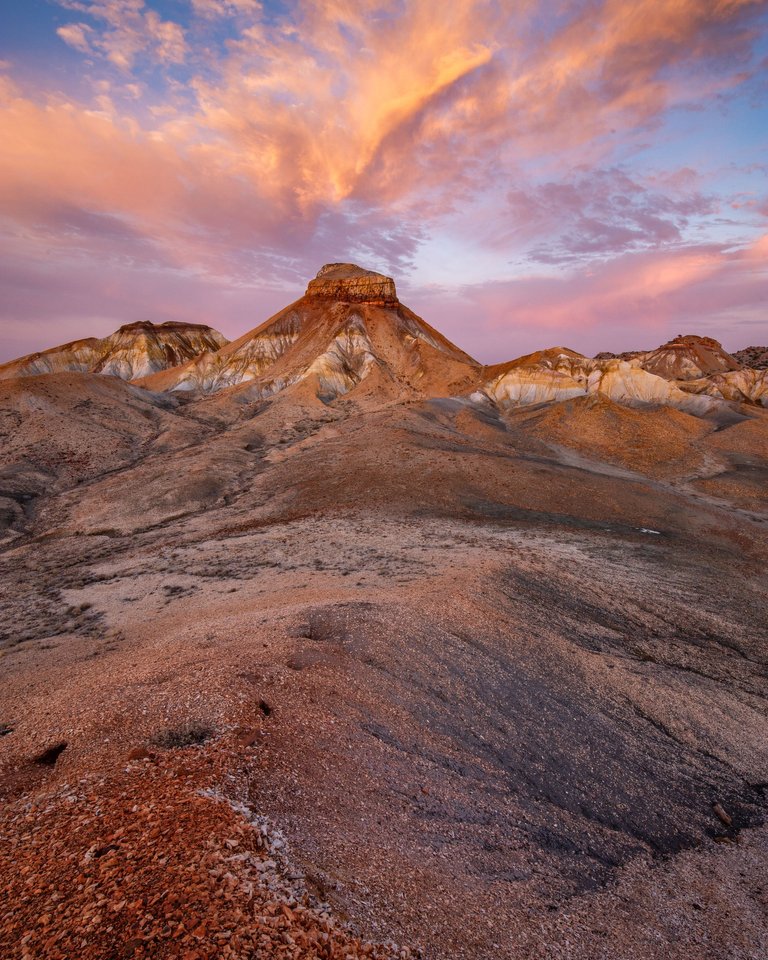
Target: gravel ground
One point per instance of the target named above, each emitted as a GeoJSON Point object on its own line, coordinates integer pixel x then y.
{"type": "Point", "coordinates": [309, 682]}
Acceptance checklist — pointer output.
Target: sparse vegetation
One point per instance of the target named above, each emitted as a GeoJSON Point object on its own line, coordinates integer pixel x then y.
{"type": "Point", "coordinates": [190, 734]}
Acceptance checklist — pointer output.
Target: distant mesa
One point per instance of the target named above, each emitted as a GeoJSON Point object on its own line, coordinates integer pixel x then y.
{"type": "Point", "coordinates": [147, 326]}
{"type": "Point", "coordinates": [558, 374]}
{"type": "Point", "coordinates": [690, 373]}
{"type": "Point", "coordinates": [627, 355]}
{"type": "Point", "coordinates": [135, 350]}
{"type": "Point", "coordinates": [685, 357]}
{"type": "Point", "coordinates": [349, 283]}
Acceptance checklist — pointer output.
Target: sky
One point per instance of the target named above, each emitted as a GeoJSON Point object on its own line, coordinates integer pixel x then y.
{"type": "Point", "coordinates": [532, 173]}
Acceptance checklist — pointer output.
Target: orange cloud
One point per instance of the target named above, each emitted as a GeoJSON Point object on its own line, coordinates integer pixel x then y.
{"type": "Point", "coordinates": [398, 105]}
{"type": "Point", "coordinates": [309, 111]}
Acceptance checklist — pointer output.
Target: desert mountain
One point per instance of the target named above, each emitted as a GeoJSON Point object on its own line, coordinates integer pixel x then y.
{"type": "Point", "coordinates": [135, 350]}
{"type": "Point", "coordinates": [348, 331]}
{"type": "Point", "coordinates": [690, 373]}
{"type": "Point", "coordinates": [738, 386]}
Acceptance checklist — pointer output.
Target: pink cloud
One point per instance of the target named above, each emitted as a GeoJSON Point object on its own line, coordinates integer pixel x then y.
{"type": "Point", "coordinates": [398, 109]}
{"type": "Point", "coordinates": [635, 301]}
{"type": "Point", "coordinates": [76, 35]}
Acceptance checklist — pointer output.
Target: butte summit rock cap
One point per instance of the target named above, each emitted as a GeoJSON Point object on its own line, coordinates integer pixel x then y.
{"type": "Point", "coordinates": [352, 284]}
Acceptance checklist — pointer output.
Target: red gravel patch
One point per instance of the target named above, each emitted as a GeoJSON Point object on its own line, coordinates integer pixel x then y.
{"type": "Point", "coordinates": [156, 862]}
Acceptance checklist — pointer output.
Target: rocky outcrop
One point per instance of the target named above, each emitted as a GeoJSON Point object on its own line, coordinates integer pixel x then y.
{"type": "Point", "coordinates": [246, 358]}
{"type": "Point", "coordinates": [627, 355]}
{"type": "Point", "coordinates": [756, 358]}
{"type": "Point", "coordinates": [684, 358]}
{"type": "Point", "coordinates": [135, 350]}
{"type": "Point", "coordinates": [349, 283]}
{"type": "Point", "coordinates": [559, 374]}
{"type": "Point", "coordinates": [334, 347]}
{"type": "Point", "coordinates": [690, 373]}
{"type": "Point", "coordinates": [631, 385]}
{"type": "Point", "coordinates": [738, 386]}
{"type": "Point", "coordinates": [533, 386]}
{"type": "Point", "coordinates": [79, 356]}
{"type": "Point", "coordinates": [139, 349]}
{"type": "Point", "coordinates": [347, 360]}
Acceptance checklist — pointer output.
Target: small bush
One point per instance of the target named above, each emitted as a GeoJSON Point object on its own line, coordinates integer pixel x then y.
{"type": "Point", "coordinates": [186, 735]}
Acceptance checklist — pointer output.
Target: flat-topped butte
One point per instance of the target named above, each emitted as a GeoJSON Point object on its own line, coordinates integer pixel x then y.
{"type": "Point", "coordinates": [352, 284]}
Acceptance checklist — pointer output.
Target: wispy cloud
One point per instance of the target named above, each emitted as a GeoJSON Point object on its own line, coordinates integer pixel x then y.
{"type": "Point", "coordinates": [124, 30]}
{"type": "Point", "coordinates": [600, 213]}
{"type": "Point", "coordinates": [213, 9]}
